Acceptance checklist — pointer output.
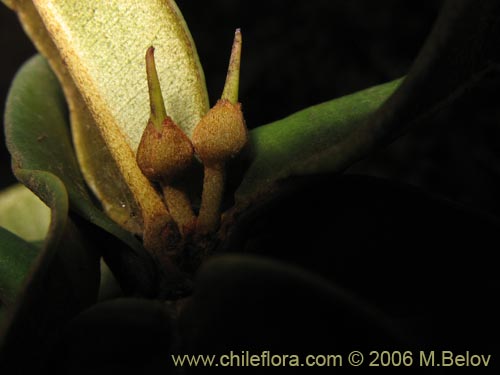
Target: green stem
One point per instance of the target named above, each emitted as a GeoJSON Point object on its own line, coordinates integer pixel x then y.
{"type": "Point", "coordinates": [211, 199]}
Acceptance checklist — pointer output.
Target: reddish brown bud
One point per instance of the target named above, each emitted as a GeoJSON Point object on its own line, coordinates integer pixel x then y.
{"type": "Point", "coordinates": [164, 153]}
{"type": "Point", "coordinates": [221, 133]}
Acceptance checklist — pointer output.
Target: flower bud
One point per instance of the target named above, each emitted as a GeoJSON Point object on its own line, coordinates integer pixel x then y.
{"type": "Point", "coordinates": [221, 134]}
{"type": "Point", "coordinates": [164, 150]}
{"type": "Point", "coordinates": [164, 153]}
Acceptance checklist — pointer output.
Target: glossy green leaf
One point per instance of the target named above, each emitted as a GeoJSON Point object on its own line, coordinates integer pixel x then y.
{"type": "Point", "coordinates": [461, 48]}
{"type": "Point", "coordinates": [23, 213]}
{"type": "Point", "coordinates": [38, 138]}
{"type": "Point", "coordinates": [16, 258]}
{"type": "Point", "coordinates": [315, 140]}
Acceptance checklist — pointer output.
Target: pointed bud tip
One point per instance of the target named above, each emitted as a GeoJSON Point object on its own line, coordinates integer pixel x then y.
{"type": "Point", "coordinates": [150, 52]}
{"type": "Point", "coordinates": [150, 61]}
{"type": "Point", "coordinates": [231, 87]}
{"type": "Point", "coordinates": [157, 106]}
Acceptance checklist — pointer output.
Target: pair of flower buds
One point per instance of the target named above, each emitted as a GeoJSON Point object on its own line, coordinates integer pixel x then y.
{"type": "Point", "coordinates": [165, 152]}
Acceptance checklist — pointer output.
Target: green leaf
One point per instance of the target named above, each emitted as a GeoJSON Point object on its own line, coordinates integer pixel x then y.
{"type": "Point", "coordinates": [314, 140]}
{"type": "Point", "coordinates": [64, 280]}
{"type": "Point", "coordinates": [16, 257]}
{"type": "Point", "coordinates": [103, 46]}
{"type": "Point", "coordinates": [350, 229]}
{"type": "Point", "coordinates": [394, 246]}
{"type": "Point", "coordinates": [97, 51]}
{"type": "Point", "coordinates": [23, 213]}
{"type": "Point", "coordinates": [109, 287]}
{"type": "Point", "coordinates": [38, 138]}
{"type": "Point", "coordinates": [245, 302]}
{"type": "Point", "coordinates": [460, 50]}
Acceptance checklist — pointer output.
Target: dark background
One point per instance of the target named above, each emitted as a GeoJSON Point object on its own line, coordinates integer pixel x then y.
{"type": "Point", "coordinates": [297, 54]}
